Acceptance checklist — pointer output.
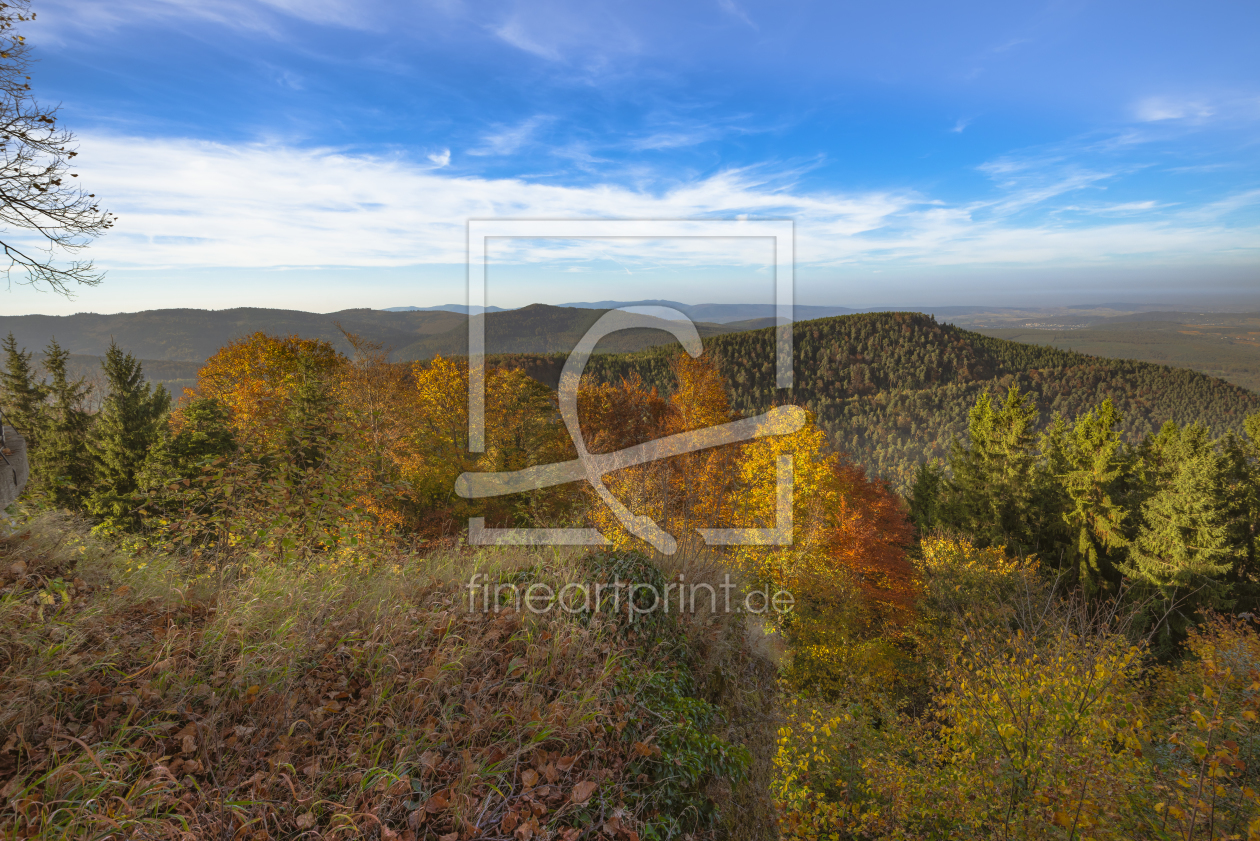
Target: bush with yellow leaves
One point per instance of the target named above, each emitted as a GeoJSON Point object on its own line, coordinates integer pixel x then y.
{"type": "Point", "coordinates": [1209, 704]}
{"type": "Point", "coordinates": [1038, 733]}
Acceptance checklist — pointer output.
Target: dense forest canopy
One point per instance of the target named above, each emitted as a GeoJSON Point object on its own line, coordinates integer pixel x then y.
{"type": "Point", "coordinates": [894, 389]}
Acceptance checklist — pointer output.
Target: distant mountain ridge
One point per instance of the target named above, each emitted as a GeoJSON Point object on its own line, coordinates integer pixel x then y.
{"type": "Point", "coordinates": [460, 308]}
{"type": "Point", "coordinates": [173, 343]}
{"type": "Point", "coordinates": [713, 313]}
{"type": "Point", "coordinates": [192, 336]}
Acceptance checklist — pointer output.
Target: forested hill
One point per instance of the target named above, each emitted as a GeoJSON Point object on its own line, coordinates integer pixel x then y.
{"type": "Point", "coordinates": [894, 388]}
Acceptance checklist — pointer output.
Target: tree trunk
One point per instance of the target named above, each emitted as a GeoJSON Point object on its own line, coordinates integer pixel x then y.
{"type": "Point", "coordinates": [14, 467]}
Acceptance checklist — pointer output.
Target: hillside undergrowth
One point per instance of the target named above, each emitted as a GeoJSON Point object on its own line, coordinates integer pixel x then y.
{"type": "Point", "coordinates": [146, 698]}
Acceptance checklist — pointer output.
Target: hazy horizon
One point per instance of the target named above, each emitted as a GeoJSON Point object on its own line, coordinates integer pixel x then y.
{"type": "Point", "coordinates": [330, 154]}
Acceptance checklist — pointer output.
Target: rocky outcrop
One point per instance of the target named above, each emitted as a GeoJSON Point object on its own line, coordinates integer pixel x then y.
{"type": "Point", "coordinates": [14, 467]}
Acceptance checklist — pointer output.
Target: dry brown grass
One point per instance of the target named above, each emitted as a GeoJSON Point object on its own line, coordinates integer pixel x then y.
{"type": "Point", "coordinates": [141, 700]}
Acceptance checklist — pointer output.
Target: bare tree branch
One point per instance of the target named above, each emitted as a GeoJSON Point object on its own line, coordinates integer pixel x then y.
{"type": "Point", "coordinates": [37, 191]}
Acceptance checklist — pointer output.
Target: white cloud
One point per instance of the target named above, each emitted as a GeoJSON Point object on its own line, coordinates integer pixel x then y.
{"type": "Point", "coordinates": [1157, 108]}
{"type": "Point", "coordinates": [1010, 44]}
{"type": "Point", "coordinates": [1032, 181]}
{"type": "Point", "coordinates": [442, 158]}
{"type": "Point", "coordinates": [514, 32]}
{"type": "Point", "coordinates": [188, 204]}
{"type": "Point", "coordinates": [507, 140]}
{"type": "Point", "coordinates": [1126, 207]}
{"type": "Point", "coordinates": [674, 139]}
{"type": "Point", "coordinates": [63, 21]}
{"type": "Point", "coordinates": [735, 10]}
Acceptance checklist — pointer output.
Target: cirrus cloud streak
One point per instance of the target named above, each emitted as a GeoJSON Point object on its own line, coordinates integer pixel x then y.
{"type": "Point", "coordinates": [193, 204]}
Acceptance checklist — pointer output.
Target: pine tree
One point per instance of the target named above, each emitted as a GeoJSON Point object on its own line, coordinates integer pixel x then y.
{"type": "Point", "coordinates": [1241, 455]}
{"type": "Point", "coordinates": [62, 464]}
{"type": "Point", "coordinates": [309, 427]}
{"type": "Point", "coordinates": [925, 496]}
{"type": "Point", "coordinates": [204, 432]}
{"type": "Point", "coordinates": [21, 394]}
{"type": "Point", "coordinates": [1183, 550]}
{"type": "Point", "coordinates": [990, 494]}
{"type": "Point", "coordinates": [1093, 470]}
{"type": "Point", "coordinates": [128, 426]}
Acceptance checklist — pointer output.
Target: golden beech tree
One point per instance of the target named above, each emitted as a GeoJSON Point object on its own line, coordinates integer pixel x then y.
{"type": "Point", "coordinates": [786, 567]}
{"type": "Point", "coordinates": [522, 429]}
{"type": "Point", "coordinates": [682, 493]}
{"type": "Point", "coordinates": [846, 567]}
{"type": "Point", "coordinates": [700, 484]}
{"type": "Point", "coordinates": [614, 416]}
{"type": "Point", "coordinates": [374, 398]}
{"type": "Point", "coordinates": [256, 377]}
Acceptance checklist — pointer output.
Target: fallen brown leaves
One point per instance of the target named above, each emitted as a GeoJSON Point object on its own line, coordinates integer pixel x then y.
{"type": "Point", "coordinates": [398, 715]}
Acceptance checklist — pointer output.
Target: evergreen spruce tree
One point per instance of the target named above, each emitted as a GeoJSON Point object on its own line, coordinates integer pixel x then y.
{"type": "Point", "coordinates": [21, 393]}
{"type": "Point", "coordinates": [1183, 550]}
{"type": "Point", "coordinates": [1052, 535]}
{"type": "Point", "coordinates": [62, 465]}
{"type": "Point", "coordinates": [309, 419]}
{"type": "Point", "coordinates": [1241, 456]}
{"type": "Point", "coordinates": [990, 494]}
{"type": "Point", "coordinates": [925, 496]}
{"type": "Point", "coordinates": [204, 433]}
{"type": "Point", "coordinates": [1092, 472]}
{"type": "Point", "coordinates": [128, 427]}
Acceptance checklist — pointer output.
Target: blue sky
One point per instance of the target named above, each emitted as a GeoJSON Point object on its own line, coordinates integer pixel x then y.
{"type": "Point", "coordinates": [322, 154]}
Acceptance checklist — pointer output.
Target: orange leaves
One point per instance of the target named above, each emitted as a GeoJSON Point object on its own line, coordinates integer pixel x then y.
{"type": "Point", "coordinates": [701, 483]}
{"type": "Point", "coordinates": [868, 535]}
{"type": "Point", "coordinates": [682, 493]}
{"type": "Point", "coordinates": [255, 378]}
{"type": "Point", "coordinates": [619, 415]}
{"type": "Point", "coordinates": [434, 451]}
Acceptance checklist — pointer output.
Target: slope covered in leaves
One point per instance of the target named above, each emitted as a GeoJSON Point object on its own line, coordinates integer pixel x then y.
{"type": "Point", "coordinates": [894, 389]}
{"type": "Point", "coordinates": [144, 698]}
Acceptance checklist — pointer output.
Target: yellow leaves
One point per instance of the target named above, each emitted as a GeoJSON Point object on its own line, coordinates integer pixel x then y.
{"type": "Point", "coordinates": [255, 377]}
{"type": "Point", "coordinates": [644, 749]}
{"type": "Point", "coordinates": [432, 451]}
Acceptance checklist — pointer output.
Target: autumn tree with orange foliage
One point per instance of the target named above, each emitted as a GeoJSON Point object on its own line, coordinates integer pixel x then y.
{"type": "Point", "coordinates": [846, 567]}
{"type": "Point", "coordinates": [614, 416]}
{"type": "Point", "coordinates": [256, 378]}
{"type": "Point", "coordinates": [522, 429]}
{"type": "Point", "coordinates": [700, 484]}
{"type": "Point", "coordinates": [868, 535]}
{"type": "Point", "coordinates": [683, 493]}
{"type": "Point", "coordinates": [375, 410]}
